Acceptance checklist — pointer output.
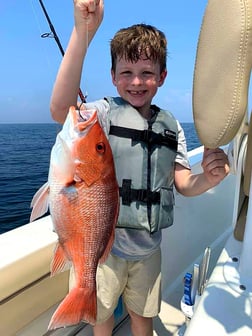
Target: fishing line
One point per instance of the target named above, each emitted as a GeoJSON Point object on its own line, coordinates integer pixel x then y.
{"type": "Point", "coordinates": [87, 19]}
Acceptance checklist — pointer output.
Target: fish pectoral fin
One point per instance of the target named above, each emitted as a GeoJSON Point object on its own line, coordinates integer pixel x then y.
{"type": "Point", "coordinates": [59, 263]}
{"type": "Point", "coordinates": [40, 202]}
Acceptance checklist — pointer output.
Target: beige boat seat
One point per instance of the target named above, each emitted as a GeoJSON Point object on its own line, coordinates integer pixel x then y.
{"type": "Point", "coordinates": [222, 71]}
{"type": "Point", "coordinates": [221, 81]}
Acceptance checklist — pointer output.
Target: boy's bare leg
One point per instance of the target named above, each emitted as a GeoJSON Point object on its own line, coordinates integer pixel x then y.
{"type": "Point", "coordinates": [105, 328]}
{"type": "Point", "coordinates": [140, 326]}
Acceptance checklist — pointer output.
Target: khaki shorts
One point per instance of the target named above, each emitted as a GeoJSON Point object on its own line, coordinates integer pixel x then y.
{"type": "Point", "coordinates": [138, 281]}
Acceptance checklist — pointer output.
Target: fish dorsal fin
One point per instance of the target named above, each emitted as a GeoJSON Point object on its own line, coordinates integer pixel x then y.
{"type": "Point", "coordinates": [39, 202]}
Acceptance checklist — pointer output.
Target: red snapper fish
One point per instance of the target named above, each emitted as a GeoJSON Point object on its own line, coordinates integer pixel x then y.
{"type": "Point", "coordinates": [83, 198]}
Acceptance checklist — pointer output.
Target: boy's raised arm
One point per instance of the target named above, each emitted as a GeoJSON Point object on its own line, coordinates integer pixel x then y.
{"type": "Point", "coordinates": [88, 15]}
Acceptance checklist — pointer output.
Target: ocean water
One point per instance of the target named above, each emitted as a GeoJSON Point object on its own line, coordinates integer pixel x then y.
{"type": "Point", "coordinates": [24, 162]}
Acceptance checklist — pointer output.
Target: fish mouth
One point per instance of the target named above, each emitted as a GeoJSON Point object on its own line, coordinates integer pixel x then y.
{"type": "Point", "coordinates": [83, 120]}
{"type": "Point", "coordinates": [85, 115]}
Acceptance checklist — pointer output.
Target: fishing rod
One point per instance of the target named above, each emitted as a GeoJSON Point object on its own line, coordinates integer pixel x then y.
{"type": "Point", "coordinates": [54, 35]}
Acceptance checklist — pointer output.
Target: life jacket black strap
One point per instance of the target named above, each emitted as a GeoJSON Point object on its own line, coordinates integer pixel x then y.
{"type": "Point", "coordinates": [133, 195]}
{"type": "Point", "coordinates": [147, 136]}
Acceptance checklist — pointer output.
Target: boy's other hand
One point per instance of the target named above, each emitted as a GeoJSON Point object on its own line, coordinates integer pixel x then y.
{"type": "Point", "coordinates": [215, 165]}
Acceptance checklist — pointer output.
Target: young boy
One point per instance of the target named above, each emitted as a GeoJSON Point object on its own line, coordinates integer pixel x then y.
{"type": "Point", "coordinates": [150, 155]}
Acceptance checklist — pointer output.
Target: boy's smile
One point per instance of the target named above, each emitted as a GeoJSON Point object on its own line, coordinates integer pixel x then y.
{"type": "Point", "coordinates": [138, 82]}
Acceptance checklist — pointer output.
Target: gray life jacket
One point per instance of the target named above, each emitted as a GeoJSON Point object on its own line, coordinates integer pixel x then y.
{"type": "Point", "coordinates": [144, 155]}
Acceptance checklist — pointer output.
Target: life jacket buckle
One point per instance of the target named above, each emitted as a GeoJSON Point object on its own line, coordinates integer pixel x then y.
{"type": "Point", "coordinates": [126, 192]}
{"type": "Point", "coordinates": [141, 195]}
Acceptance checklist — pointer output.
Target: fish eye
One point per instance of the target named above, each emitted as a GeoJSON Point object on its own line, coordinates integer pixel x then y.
{"type": "Point", "coordinates": [100, 148]}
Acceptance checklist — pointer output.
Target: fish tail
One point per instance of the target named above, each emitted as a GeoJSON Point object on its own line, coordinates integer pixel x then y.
{"type": "Point", "coordinates": [79, 305]}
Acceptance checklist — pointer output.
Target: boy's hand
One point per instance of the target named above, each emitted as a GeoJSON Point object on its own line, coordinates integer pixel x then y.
{"type": "Point", "coordinates": [88, 13]}
{"type": "Point", "coordinates": [215, 165]}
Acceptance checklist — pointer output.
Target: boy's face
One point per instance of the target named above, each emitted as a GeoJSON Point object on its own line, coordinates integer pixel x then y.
{"type": "Point", "coordinates": [138, 82]}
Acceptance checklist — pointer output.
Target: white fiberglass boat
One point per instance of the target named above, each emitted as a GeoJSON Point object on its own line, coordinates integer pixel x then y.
{"type": "Point", "coordinates": [200, 295]}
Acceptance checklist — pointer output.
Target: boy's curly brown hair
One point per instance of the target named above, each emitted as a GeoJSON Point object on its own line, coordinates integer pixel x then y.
{"type": "Point", "coordinates": [140, 40]}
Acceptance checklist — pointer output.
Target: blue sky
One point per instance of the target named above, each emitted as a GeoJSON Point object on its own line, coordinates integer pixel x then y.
{"type": "Point", "coordinates": [29, 63]}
